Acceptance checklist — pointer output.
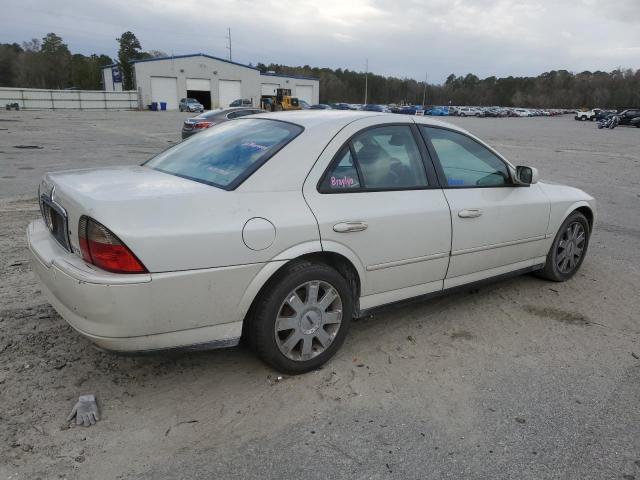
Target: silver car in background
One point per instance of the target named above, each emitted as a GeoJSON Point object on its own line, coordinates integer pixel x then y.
{"type": "Point", "coordinates": [190, 105]}
{"type": "Point", "coordinates": [214, 117]}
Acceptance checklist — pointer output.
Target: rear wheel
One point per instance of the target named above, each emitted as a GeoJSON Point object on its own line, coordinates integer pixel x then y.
{"type": "Point", "coordinates": [302, 317]}
{"type": "Point", "coordinates": [568, 249]}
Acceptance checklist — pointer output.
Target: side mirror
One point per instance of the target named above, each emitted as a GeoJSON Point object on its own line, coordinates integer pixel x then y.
{"type": "Point", "coordinates": [526, 175]}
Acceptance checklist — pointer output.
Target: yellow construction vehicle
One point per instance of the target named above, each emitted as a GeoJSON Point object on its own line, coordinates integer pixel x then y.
{"type": "Point", "coordinates": [282, 100]}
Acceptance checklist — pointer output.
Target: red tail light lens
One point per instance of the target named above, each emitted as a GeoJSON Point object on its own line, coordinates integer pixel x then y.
{"type": "Point", "coordinates": [100, 247]}
{"type": "Point", "coordinates": [202, 125]}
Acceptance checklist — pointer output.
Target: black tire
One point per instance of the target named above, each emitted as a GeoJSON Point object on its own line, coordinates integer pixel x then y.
{"type": "Point", "coordinates": [551, 270]}
{"type": "Point", "coordinates": [462, 114]}
{"type": "Point", "coordinates": [265, 312]}
{"type": "Point", "coordinates": [583, 118]}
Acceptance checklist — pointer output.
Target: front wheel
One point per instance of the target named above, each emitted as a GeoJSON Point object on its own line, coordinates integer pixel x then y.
{"type": "Point", "coordinates": [301, 319]}
{"type": "Point", "coordinates": [568, 249]}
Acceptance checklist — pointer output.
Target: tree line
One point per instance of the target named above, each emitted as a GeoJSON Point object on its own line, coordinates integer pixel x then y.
{"type": "Point", "coordinates": [48, 63]}
{"type": "Point", "coordinates": [555, 89]}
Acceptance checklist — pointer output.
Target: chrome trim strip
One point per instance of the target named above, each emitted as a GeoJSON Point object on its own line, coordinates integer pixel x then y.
{"type": "Point", "coordinates": [406, 261]}
{"type": "Point", "coordinates": [498, 245]}
{"type": "Point", "coordinates": [49, 200]}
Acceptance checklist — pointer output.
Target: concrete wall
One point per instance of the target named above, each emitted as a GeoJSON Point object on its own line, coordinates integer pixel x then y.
{"type": "Point", "coordinates": [34, 98]}
{"type": "Point", "coordinates": [197, 67]}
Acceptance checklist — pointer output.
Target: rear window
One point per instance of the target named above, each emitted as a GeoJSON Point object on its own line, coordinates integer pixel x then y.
{"type": "Point", "coordinates": [226, 154]}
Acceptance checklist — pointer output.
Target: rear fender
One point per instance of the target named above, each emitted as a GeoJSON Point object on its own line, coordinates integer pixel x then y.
{"type": "Point", "coordinates": [270, 268]}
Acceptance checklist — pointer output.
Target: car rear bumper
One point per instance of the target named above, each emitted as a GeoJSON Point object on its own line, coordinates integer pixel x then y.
{"type": "Point", "coordinates": [140, 312]}
{"type": "Point", "coordinates": [188, 133]}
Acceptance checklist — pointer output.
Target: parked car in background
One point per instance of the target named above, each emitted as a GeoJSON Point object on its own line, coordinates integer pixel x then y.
{"type": "Point", "coordinates": [241, 102]}
{"type": "Point", "coordinates": [341, 106]}
{"type": "Point", "coordinates": [585, 115]}
{"type": "Point", "coordinates": [190, 105]}
{"type": "Point", "coordinates": [437, 111]}
{"type": "Point", "coordinates": [208, 119]}
{"type": "Point", "coordinates": [522, 112]}
{"type": "Point", "coordinates": [408, 110]}
{"type": "Point", "coordinates": [627, 115]}
{"type": "Point", "coordinates": [375, 108]}
{"type": "Point", "coordinates": [252, 228]}
{"type": "Point", "coordinates": [635, 122]}
{"type": "Point", "coordinates": [492, 112]}
{"type": "Point", "coordinates": [470, 112]}
{"type": "Point", "coordinates": [304, 104]}
{"type": "Point", "coordinates": [602, 114]}
{"type": "Point", "coordinates": [321, 106]}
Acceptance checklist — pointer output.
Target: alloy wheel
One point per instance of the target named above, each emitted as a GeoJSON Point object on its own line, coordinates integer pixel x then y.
{"type": "Point", "coordinates": [570, 247]}
{"type": "Point", "coordinates": [308, 320]}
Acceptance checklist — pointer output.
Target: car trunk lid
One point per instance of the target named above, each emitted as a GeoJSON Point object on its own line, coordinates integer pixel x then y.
{"type": "Point", "coordinates": [122, 198]}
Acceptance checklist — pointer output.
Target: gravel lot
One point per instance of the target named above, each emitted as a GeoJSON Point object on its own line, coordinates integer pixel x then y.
{"type": "Point", "coordinates": [521, 379]}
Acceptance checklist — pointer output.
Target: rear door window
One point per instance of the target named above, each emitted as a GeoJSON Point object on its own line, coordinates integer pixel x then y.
{"type": "Point", "coordinates": [343, 175]}
{"type": "Point", "coordinates": [226, 154]}
{"type": "Point", "coordinates": [380, 158]}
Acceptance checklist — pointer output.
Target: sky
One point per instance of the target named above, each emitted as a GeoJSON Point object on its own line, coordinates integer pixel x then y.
{"type": "Point", "coordinates": [403, 38]}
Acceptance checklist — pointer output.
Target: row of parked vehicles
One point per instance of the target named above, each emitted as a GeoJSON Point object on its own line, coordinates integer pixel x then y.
{"type": "Point", "coordinates": [628, 116]}
{"type": "Point", "coordinates": [442, 111]}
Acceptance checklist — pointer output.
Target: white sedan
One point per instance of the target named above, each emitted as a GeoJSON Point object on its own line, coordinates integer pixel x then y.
{"type": "Point", "coordinates": [282, 227]}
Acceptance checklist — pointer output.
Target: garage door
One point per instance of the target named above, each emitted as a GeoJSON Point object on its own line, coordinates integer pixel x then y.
{"type": "Point", "coordinates": [269, 88]}
{"type": "Point", "coordinates": [229, 90]}
{"type": "Point", "coordinates": [202, 84]}
{"type": "Point", "coordinates": [305, 92]}
{"type": "Point", "coordinates": [165, 89]}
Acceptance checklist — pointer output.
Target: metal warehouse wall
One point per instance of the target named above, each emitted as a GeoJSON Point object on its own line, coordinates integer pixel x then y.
{"type": "Point", "coordinates": [293, 83]}
{"type": "Point", "coordinates": [196, 67]}
{"type": "Point", "coordinates": [34, 98]}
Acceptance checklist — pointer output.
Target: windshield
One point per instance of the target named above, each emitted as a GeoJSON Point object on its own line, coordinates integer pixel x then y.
{"type": "Point", "coordinates": [225, 155]}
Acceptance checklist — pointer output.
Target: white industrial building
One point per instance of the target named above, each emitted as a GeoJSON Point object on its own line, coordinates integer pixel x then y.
{"type": "Point", "coordinates": [213, 81]}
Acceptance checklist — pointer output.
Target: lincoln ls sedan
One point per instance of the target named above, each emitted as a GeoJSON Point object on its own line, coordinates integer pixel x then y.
{"type": "Point", "coordinates": [280, 228]}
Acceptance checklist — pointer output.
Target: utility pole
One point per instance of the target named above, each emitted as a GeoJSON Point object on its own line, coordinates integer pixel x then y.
{"type": "Point", "coordinates": [366, 75]}
{"type": "Point", "coordinates": [424, 92]}
{"type": "Point", "coordinates": [228, 37]}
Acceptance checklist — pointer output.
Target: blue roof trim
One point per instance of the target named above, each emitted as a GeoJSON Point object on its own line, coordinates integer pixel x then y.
{"type": "Point", "coordinates": [173, 57]}
{"type": "Point", "coordinates": [301, 77]}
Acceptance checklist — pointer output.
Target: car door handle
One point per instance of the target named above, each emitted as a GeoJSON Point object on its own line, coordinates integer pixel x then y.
{"type": "Point", "coordinates": [346, 227]}
{"type": "Point", "coordinates": [470, 213]}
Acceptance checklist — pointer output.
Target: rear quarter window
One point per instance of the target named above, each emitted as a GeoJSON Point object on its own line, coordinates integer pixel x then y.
{"type": "Point", "coordinates": [226, 154]}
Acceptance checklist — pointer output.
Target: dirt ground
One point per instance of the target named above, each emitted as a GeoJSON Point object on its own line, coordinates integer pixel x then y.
{"type": "Point", "coordinates": [521, 379]}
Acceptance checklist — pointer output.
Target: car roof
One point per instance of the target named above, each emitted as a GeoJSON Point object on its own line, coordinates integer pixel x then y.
{"type": "Point", "coordinates": [315, 118]}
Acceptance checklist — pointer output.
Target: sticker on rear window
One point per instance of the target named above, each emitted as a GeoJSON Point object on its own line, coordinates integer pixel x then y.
{"type": "Point", "coordinates": [343, 182]}
{"type": "Point", "coordinates": [255, 146]}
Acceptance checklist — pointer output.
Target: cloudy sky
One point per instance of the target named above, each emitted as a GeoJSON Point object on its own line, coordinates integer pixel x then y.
{"type": "Point", "coordinates": [405, 38]}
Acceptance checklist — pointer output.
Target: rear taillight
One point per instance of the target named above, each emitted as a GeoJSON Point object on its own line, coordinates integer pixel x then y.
{"type": "Point", "coordinates": [100, 247]}
{"type": "Point", "coordinates": [202, 125]}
